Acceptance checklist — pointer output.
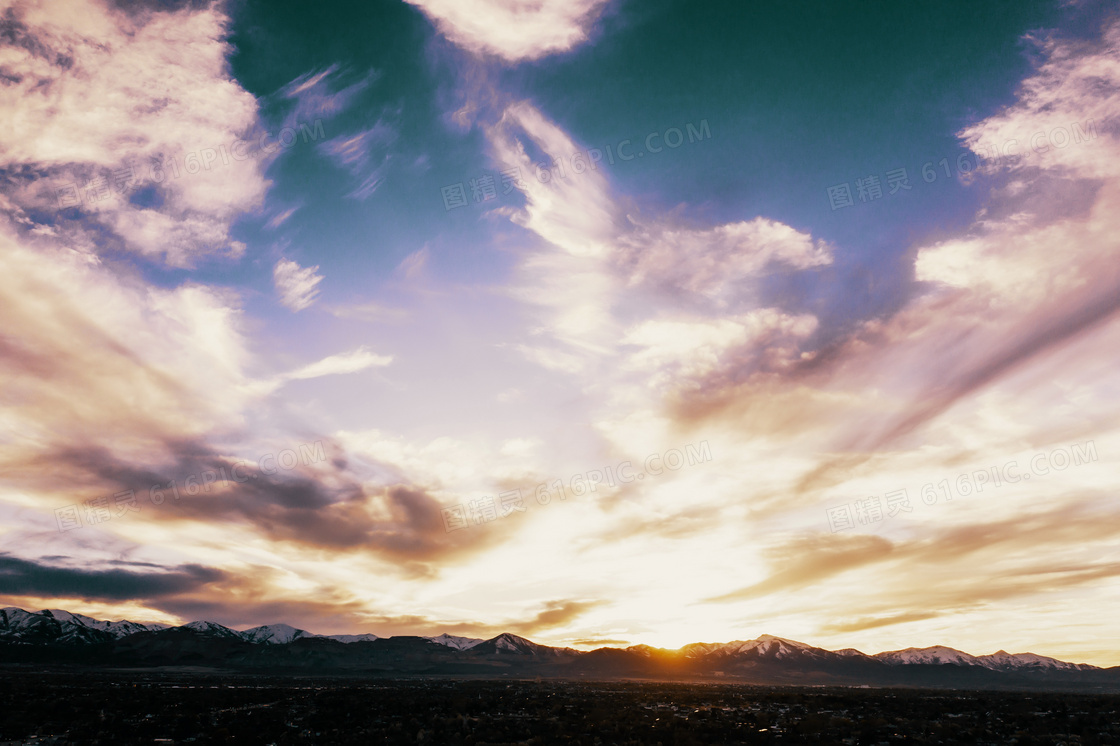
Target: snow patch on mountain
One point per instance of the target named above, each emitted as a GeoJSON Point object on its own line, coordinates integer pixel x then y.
{"type": "Point", "coordinates": [58, 626]}
{"type": "Point", "coordinates": [458, 643]}
{"type": "Point", "coordinates": [644, 650]}
{"type": "Point", "coordinates": [935, 655]}
{"type": "Point", "coordinates": [510, 643]}
{"type": "Point", "coordinates": [1004, 661]}
{"type": "Point", "coordinates": [211, 628]}
{"type": "Point", "coordinates": [119, 629]}
{"type": "Point", "coordinates": [767, 645]}
{"type": "Point", "coordinates": [351, 638]}
{"type": "Point", "coordinates": [851, 653]}
{"type": "Point", "coordinates": [274, 634]}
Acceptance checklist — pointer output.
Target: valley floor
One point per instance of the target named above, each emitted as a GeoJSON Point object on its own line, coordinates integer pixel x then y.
{"type": "Point", "coordinates": [179, 708]}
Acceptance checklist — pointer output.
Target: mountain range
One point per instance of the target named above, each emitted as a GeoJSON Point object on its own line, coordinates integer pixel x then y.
{"type": "Point", "coordinates": [57, 637]}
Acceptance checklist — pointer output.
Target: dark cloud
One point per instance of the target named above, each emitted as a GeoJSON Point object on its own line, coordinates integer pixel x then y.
{"type": "Point", "coordinates": [555, 614]}
{"type": "Point", "coordinates": [15, 33]}
{"type": "Point", "coordinates": [599, 642]}
{"type": "Point", "coordinates": [168, 6]}
{"type": "Point", "coordinates": [318, 504]}
{"type": "Point", "coordinates": [864, 623]}
{"type": "Point", "coordinates": [30, 578]}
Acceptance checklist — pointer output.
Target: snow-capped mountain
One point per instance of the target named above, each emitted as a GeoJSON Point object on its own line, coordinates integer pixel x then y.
{"type": "Point", "coordinates": [213, 629]}
{"type": "Point", "coordinates": [507, 643]}
{"type": "Point", "coordinates": [765, 646]}
{"type": "Point", "coordinates": [936, 655]}
{"type": "Point", "coordinates": [118, 629]}
{"type": "Point", "coordinates": [459, 643]}
{"type": "Point", "coordinates": [699, 649]}
{"type": "Point", "coordinates": [513, 644]}
{"type": "Point", "coordinates": [1004, 661]}
{"type": "Point", "coordinates": [269, 634]}
{"type": "Point", "coordinates": [351, 638]}
{"type": "Point", "coordinates": [274, 634]}
{"type": "Point", "coordinates": [643, 650]}
{"type": "Point", "coordinates": [64, 637]}
{"type": "Point", "coordinates": [63, 627]}
{"type": "Point", "coordinates": [1000, 661]}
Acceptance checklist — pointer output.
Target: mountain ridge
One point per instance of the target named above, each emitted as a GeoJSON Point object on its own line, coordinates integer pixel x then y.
{"type": "Point", "coordinates": [281, 633]}
{"type": "Point", "coordinates": [57, 636]}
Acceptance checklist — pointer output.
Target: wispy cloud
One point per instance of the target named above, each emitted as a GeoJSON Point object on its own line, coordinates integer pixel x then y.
{"type": "Point", "coordinates": [370, 311]}
{"type": "Point", "coordinates": [513, 30]}
{"type": "Point", "coordinates": [365, 154]}
{"type": "Point", "coordinates": [346, 362]}
{"type": "Point", "coordinates": [297, 286]}
{"type": "Point", "coordinates": [412, 266]}
{"type": "Point", "coordinates": [280, 217]}
{"type": "Point", "coordinates": [320, 94]}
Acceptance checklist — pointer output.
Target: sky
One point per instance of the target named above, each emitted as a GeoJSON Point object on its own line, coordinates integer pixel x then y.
{"type": "Point", "coordinates": [595, 321]}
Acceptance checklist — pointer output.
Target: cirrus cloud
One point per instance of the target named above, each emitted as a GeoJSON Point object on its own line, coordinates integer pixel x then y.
{"type": "Point", "coordinates": [297, 286]}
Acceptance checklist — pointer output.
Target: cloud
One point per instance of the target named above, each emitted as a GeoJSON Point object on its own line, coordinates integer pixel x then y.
{"type": "Point", "coordinates": [296, 285]}
{"type": "Point", "coordinates": [320, 94]}
{"type": "Point", "coordinates": [933, 572]}
{"type": "Point", "coordinates": [1000, 311]}
{"type": "Point", "coordinates": [557, 614]}
{"type": "Point", "coordinates": [577, 215]}
{"type": "Point", "coordinates": [322, 505]}
{"type": "Point", "coordinates": [865, 623]}
{"type": "Point", "coordinates": [662, 331]}
{"type": "Point", "coordinates": [412, 266]}
{"type": "Point", "coordinates": [346, 362]}
{"type": "Point", "coordinates": [614, 290]}
{"type": "Point", "coordinates": [365, 154]}
{"type": "Point", "coordinates": [513, 30]}
{"type": "Point", "coordinates": [716, 262]}
{"type": "Point", "coordinates": [1021, 288]}
{"type": "Point", "coordinates": [806, 561]}
{"type": "Point", "coordinates": [683, 356]}
{"type": "Point", "coordinates": [368, 312]}
{"type": "Point", "coordinates": [280, 218]}
{"type": "Point", "coordinates": [92, 355]}
{"type": "Point", "coordinates": [112, 102]}
{"type": "Point", "coordinates": [116, 383]}
{"type": "Point", "coordinates": [30, 578]}
{"type": "Point", "coordinates": [1000, 347]}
